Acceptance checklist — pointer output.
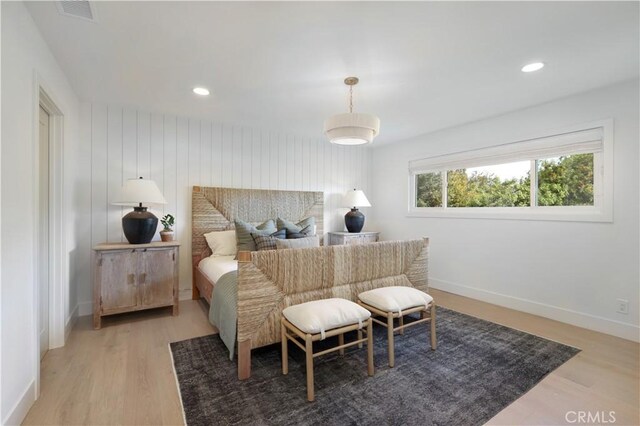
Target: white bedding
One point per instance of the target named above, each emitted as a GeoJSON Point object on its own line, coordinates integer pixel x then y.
{"type": "Point", "coordinates": [216, 266]}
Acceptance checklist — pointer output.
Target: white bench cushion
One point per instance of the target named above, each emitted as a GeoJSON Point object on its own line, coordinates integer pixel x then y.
{"type": "Point", "coordinates": [322, 315]}
{"type": "Point", "coordinates": [395, 299]}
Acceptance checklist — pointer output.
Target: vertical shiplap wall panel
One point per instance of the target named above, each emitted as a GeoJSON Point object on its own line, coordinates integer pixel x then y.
{"type": "Point", "coordinates": [294, 164]}
{"type": "Point", "coordinates": [156, 161]}
{"type": "Point", "coordinates": [178, 153]}
{"type": "Point", "coordinates": [328, 183]}
{"type": "Point", "coordinates": [257, 178]}
{"type": "Point", "coordinates": [246, 158]}
{"type": "Point", "coordinates": [156, 150]}
{"type": "Point", "coordinates": [129, 144]}
{"type": "Point", "coordinates": [216, 155]}
{"type": "Point", "coordinates": [170, 176]}
{"type": "Point", "coordinates": [144, 144]}
{"type": "Point", "coordinates": [283, 159]}
{"type": "Point", "coordinates": [236, 158]}
{"type": "Point", "coordinates": [182, 174]}
{"type": "Point", "coordinates": [205, 153]}
{"type": "Point", "coordinates": [194, 134]}
{"type": "Point", "coordinates": [99, 205]}
{"type": "Point", "coordinates": [226, 168]}
{"type": "Point", "coordinates": [319, 167]}
{"type": "Point", "coordinates": [114, 172]}
{"type": "Point", "coordinates": [183, 190]}
{"type": "Point", "coordinates": [304, 152]}
{"type": "Point", "coordinates": [274, 168]}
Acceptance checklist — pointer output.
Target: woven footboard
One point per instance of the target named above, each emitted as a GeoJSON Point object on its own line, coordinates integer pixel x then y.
{"type": "Point", "coordinates": [269, 281]}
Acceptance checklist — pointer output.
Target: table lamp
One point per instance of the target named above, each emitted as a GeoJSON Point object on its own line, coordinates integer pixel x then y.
{"type": "Point", "coordinates": [354, 220]}
{"type": "Point", "coordinates": [140, 225]}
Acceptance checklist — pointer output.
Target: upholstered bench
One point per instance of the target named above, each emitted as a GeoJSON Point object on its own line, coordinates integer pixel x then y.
{"type": "Point", "coordinates": [396, 302]}
{"type": "Point", "coordinates": [317, 320]}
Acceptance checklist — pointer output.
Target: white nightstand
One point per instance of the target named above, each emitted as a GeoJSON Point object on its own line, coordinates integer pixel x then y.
{"type": "Point", "coordinates": [352, 238]}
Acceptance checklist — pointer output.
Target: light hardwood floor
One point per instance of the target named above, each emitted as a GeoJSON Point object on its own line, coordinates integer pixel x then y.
{"type": "Point", "coordinates": [122, 374]}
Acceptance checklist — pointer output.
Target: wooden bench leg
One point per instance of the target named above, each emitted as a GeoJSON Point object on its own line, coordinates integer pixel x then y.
{"type": "Point", "coordinates": [341, 342]}
{"type": "Point", "coordinates": [370, 367]}
{"type": "Point", "coordinates": [401, 320]}
{"type": "Point", "coordinates": [285, 353]}
{"type": "Point", "coordinates": [359, 338]}
{"type": "Point", "coordinates": [392, 356]}
{"type": "Point", "coordinates": [434, 343]}
{"type": "Point", "coordinates": [309, 355]}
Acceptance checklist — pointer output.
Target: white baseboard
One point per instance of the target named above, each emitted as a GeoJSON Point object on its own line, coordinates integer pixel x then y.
{"type": "Point", "coordinates": [579, 319]}
{"type": "Point", "coordinates": [71, 322]}
{"type": "Point", "coordinates": [21, 408]}
{"type": "Point", "coordinates": [185, 294]}
{"type": "Point", "coordinates": [85, 308]}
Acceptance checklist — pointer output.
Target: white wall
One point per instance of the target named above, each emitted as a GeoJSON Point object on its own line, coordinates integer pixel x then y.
{"type": "Point", "coordinates": [25, 53]}
{"type": "Point", "coordinates": [1, 416]}
{"type": "Point", "coordinates": [178, 153]}
{"type": "Point", "coordinates": [569, 271]}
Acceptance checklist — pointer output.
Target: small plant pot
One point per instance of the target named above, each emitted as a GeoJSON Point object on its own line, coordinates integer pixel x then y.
{"type": "Point", "coordinates": [166, 236]}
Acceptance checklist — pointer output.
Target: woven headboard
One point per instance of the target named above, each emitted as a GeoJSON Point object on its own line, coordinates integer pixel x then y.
{"type": "Point", "coordinates": [215, 209]}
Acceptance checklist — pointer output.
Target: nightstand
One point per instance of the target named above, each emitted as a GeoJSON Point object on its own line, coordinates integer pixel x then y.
{"type": "Point", "coordinates": [352, 238]}
{"type": "Point", "coordinates": [133, 277]}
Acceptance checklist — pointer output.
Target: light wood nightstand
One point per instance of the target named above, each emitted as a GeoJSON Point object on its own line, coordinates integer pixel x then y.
{"type": "Point", "coordinates": [352, 238]}
{"type": "Point", "coordinates": [133, 277]}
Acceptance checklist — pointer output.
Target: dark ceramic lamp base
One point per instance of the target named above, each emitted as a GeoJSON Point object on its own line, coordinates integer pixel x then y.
{"type": "Point", "coordinates": [139, 226]}
{"type": "Point", "coordinates": [354, 220]}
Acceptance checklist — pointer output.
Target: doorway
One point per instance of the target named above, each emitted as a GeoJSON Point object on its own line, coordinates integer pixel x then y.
{"type": "Point", "coordinates": [43, 230]}
{"type": "Point", "coordinates": [51, 293]}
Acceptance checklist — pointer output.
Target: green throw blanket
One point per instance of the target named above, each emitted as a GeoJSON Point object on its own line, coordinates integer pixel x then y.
{"type": "Point", "coordinates": [223, 312]}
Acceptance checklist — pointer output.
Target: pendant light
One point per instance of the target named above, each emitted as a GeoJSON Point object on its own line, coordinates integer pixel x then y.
{"type": "Point", "coordinates": [351, 128]}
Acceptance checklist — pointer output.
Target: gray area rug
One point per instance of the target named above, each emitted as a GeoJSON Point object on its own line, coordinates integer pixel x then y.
{"type": "Point", "coordinates": [478, 369]}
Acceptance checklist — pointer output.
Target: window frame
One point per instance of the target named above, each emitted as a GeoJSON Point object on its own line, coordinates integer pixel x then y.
{"type": "Point", "coordinates": [601, 211]}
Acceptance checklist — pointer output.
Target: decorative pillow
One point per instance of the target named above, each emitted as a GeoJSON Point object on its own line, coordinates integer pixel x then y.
{"type": "Point", "coordinates": [312, 241]}
{"type": "Point", "coordinates": [243, 233]}
{"type": "Point", "coordinates": [308, 225]}
{"type": "Point", "coordinates": [304, 232]}
{"type": "Point", "coordinates": [221, 243]}
{"type": "Point", "coordinates": [268, 242]}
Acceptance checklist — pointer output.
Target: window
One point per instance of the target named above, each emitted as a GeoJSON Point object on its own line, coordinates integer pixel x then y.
{"type": "Point", "coordinates": [559, 177]}
{"type": "Point", "coordinates": [565, 180]}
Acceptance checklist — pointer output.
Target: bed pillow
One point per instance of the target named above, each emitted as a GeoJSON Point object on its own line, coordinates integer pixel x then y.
{"type": "Point", "coordinates": [307, 231]}
{"type": "Point", "coordinates": [306, 242]}
{"type": "Point", "coordinates": [244, 240]}
{"type": "Point", "coordinates": [306, 226]}
{"type": "Point", "coordinates": [268, 242]}
{"type": "Point", "coordinates": [221, 243]}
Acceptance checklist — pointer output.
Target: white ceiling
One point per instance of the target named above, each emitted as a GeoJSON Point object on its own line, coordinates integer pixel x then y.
{"type": "Point", "coordinates": [422, 65]}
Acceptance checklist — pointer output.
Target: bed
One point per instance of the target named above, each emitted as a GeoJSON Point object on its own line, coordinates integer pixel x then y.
{"type": "Point", "coordinates": [269, 281]}
{"type": "Point", "coordinates": [216, 209]}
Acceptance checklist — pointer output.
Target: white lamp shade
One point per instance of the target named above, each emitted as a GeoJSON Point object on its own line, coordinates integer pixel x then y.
{"type": "Point", "coordinates": [351, 128]}
{"type": "Point", "coordinates": [356, 198]}
{"type": "Point", "coordinates": [136, 191]}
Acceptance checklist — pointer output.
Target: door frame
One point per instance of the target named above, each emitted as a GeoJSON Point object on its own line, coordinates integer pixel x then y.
{"type": "Point", "coordinates": [44, 97]}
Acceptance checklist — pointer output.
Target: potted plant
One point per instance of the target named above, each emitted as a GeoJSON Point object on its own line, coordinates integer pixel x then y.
{"type": "Point", "coordinates": [167, 233]}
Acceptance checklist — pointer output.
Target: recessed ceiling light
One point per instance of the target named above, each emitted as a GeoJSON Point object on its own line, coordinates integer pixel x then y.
{"type": "Point", "coordinates": [533, 67]}
{"type": "Point", "coordinates": [201, 91]}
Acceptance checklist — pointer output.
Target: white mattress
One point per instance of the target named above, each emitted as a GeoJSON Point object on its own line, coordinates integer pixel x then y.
{"type": "Point", "coordinates": [216, 266]}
